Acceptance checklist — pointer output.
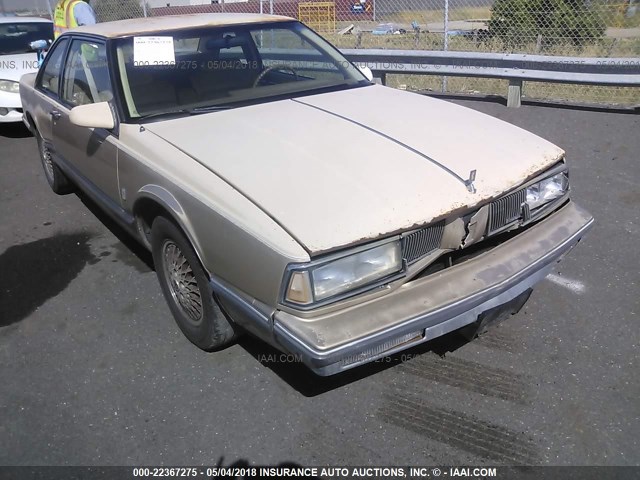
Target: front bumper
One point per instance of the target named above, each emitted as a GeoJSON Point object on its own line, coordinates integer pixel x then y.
{"type": "Point", "coordinates": [13, 115]}
{"type": "Point", "coordinates": [432, 306]}
{"type": "Point", "coordinates": [10, 108]}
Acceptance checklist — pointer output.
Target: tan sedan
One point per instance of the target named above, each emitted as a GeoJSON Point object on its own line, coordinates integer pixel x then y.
{"type": "Point", "coordinates": [277, 195]}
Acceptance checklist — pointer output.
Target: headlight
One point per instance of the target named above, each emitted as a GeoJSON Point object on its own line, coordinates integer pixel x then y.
{"type": "Point", "coordinates": [9, 86]}
{"type": "Point", "coordinates": [334, 277]}
{"type": "Point", "coordinates": [547, 190]}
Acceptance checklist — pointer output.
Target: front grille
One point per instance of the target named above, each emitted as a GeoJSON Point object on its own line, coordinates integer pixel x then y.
{"type": "Point", "coordinates": [418, 244]}
{"type": "Point", "coordinates": [505, 210]}
{"type": "Point", "coordinates": [458, 257]}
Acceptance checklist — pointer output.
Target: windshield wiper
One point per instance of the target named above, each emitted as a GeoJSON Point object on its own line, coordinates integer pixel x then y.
{"type": "Point", "coordinates": [166, 114]}
{"type": "Point", "coordinates": [212, 108]}
{"type": "Point", "coordinates": [183, 111]}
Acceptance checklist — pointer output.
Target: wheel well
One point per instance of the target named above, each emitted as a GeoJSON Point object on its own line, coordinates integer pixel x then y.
{"type": "Point", "coordinates": [145, 211]}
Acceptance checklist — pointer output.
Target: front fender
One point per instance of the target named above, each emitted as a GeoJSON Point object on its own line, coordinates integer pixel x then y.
{"type": "Point", "coordinates": [166, 201]}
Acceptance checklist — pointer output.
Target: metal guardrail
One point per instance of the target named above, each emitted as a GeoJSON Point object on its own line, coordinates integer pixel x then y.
{"type": "Point", "coordinates": [517, 68]}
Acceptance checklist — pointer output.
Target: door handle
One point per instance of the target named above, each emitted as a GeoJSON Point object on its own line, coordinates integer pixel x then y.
{"type": "Point", "coordinates": [55, 114]}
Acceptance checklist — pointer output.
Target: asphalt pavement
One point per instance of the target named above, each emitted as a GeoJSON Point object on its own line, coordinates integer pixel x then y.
{"type": "Point", "coordinates": [94, 371]}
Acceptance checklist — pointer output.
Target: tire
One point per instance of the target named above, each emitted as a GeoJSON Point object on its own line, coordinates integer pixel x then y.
{"type": "Point", "coordinates": [186, 288]}
{"type": "Point", "coordinates": [57, 180]}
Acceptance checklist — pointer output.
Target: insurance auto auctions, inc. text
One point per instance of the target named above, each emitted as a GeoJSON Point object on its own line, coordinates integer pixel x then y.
{"type": "Point", "coordinates": [377, 472]}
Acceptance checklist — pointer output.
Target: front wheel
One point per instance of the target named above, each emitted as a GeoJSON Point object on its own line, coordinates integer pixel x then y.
{"type": "Point", "coordinates": [57, 180]}
{"type": "Point", "coordinates": [187, 289]}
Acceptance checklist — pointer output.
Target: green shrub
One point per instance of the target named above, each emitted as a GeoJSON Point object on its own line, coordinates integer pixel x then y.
{"type": "Point", "coordinates": [518, 22]}
{"type": "Point", "coordinates": [110, 10]}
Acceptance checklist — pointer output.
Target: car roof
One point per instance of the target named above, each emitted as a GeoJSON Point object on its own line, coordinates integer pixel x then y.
{"type": "Point", "coordinates": [24, 20]}
{"type": "Point", "coordinates": [137, 26]}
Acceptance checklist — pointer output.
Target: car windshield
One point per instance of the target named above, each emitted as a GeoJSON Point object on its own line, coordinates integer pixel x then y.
{"type": "Point", "coordinates": [192, 70]}
{"type": "Point", "coordinates": [16, 37]}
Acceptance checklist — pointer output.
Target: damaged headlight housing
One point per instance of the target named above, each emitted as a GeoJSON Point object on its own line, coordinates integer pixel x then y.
{"type": "Point", "coordinates": [547, 190]}
{"type": "Point", "coordinates": [9, 86]}
{"type": "Point", "coordinates": [337, 276]}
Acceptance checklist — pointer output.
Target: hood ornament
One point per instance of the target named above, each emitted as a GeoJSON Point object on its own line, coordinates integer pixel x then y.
{"type": "Point", "coordinates": [469, 183]}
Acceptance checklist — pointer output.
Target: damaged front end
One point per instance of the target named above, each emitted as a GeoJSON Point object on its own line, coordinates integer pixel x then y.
{"type": "Point", "coordinates": [456, 272]}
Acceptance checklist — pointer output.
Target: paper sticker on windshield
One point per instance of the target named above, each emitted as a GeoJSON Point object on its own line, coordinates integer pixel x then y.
{"type": "Point", "coordinates": [149, 51]}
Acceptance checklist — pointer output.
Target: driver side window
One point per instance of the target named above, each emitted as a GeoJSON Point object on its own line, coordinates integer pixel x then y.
{"type": "Point", "coordinates": [86, 78]}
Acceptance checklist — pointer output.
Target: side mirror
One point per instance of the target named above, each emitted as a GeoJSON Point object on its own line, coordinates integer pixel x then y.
{"type": "Point", "coordinates": [40, 47]}
{"type": "Point", "coordinates": [366, 71]}
{"type": "Point", "coordinates": [93, 115]}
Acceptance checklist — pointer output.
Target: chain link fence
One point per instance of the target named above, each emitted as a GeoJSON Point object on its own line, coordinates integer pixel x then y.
{"type": "Point", "coordinates": [576, 28]}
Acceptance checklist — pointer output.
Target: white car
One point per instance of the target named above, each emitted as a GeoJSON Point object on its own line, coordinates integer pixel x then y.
{"type": "Point", "coordinates": [17, 58]}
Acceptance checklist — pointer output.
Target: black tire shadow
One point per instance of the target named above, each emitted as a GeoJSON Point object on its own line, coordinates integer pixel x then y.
{"type": "Point", "coordinates": [14, 130]}
{"type": "Point", "coordinates": [298, 376]}
{"type": "Point", "coordinates": [34, 272]}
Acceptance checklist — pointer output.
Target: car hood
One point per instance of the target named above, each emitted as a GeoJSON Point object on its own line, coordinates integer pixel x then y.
{"type": "Point", "coordinates": [342, 168]}
{"type": "Point", "coordinates": [12, 67]}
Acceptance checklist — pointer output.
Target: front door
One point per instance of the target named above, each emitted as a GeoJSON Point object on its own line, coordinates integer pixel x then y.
{"type": "Point", "coordinates": [91, 153]}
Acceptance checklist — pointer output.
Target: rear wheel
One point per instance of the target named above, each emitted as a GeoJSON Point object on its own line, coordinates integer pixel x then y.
{"type": "Point", "coordinates": [187, 289]}
{"type": "Point", "coordinates": [57, 180]}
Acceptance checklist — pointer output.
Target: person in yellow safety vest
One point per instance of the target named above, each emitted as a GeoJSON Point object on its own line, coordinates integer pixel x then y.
{"type": "Point", "coordinates": [71, 14]}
